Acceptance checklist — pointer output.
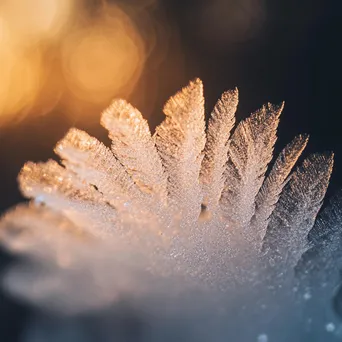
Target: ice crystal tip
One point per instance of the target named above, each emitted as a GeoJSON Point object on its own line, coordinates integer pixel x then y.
{"type": "Point", "coordinates": [186, 101]}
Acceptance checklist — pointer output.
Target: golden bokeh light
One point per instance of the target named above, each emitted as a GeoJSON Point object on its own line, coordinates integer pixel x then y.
{"type": "Point", "coordinates": [20, 71]}
{"type": "Point", "coordinates": [102, 59]}
{"type": "Point", "coordinates": [35, 19]}
{"type": "Point", "coordinates": [26, 26]}
{"type": "Point", "coordinates": [73, 56]}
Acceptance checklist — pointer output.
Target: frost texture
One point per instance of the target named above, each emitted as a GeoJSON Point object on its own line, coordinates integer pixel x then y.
{"type": "Point", "coordinates": [180, 140]}
{"type": "Point", "coordinates": [187, 222]}
{"type": "Point", "coordinates": [250, 151]}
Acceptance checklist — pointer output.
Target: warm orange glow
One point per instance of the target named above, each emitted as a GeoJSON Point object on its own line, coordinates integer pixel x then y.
{"type": "Point", "coordinates": [61, 55]}
{"type": "Point", "coordinates": [26, 26]}
{"type": "Point", "coordinates": [35, 19]}
{"type": "Point", "coordinates": [100, 60]}
{"type": "Point", "coordinates": [20, 71]}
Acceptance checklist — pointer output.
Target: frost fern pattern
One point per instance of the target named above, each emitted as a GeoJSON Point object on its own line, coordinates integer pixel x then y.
{"type": "Point", "coordinates": [188, 203]}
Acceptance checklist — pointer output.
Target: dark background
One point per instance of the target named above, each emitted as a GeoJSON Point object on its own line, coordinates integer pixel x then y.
{"type": "Point", "coordinates": [271, 50]}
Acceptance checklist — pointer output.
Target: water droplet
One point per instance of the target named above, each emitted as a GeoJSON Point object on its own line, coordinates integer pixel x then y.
{"type": "Point", "coordinates": [39, 199]}
{"type": "Point", "coordinates": [307, 296]}
{"type": "Point", "coordinates": [262, 338]}
{"type": "Point", "coordinates": [330, 327]}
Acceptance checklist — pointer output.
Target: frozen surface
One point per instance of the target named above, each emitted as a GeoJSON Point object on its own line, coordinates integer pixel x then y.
{"type": "Point", "coordinates": [178, 236]}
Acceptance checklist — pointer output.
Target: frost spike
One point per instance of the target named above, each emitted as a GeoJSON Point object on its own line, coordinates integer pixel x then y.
{"type": "Point", "coordinates": [250, 150]}
{"type": "Point", "coordinates": [273, 185]}
{"type": "Point", "coordinates": [63, 191]}
{"type": "Point", "coordinates": [328, 222]}
{"type": "Point", "coordinates": [216, 149]}
{"type": "Point", "coordinates": [297, 208]}
{"type": "Point", "coordinates": [326, 240]}
{"type": "Point", "coordinates": [94, 162]}
{"type": "Point", "coordinates": [180, 139]}
{"type": "Point", "coordinates": [38, 230]}
{"type": "Point", "coordinates": [133, 146]}
{"type": "Point", "coordinates": [42, 181]}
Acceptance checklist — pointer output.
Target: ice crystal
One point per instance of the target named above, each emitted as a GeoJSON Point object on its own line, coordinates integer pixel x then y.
{"type": "Point", "coordinates": [189, 218]}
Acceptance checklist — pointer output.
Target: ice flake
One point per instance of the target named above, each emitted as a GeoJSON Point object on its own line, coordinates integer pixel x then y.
{"type": "Point", "coordinates": [187, 210]}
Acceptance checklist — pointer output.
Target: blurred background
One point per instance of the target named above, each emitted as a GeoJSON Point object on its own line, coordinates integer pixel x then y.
{"type": "Point", "coordinates": [62, 61]}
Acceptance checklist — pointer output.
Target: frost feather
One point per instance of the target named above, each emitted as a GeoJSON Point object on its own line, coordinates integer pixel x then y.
{"type": "Point", "coordinates": [250, 150]}
{"type": "Point", "coordinates": [180, 140]}
{"type": "Point", "coordinates": [133, 146]}
{"type": "Point", "coordinates": [297, 208]}
{"type": "Point", "coordinates": [216, 149]}
{"type": "Point", "coordinates": [269, 193]}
